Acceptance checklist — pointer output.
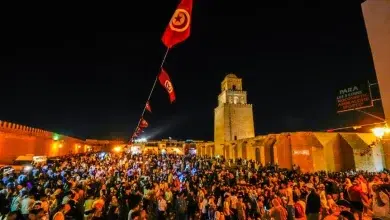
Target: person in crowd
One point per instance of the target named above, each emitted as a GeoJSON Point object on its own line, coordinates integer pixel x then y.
{"type": "Point", "coordinates": [313, 204]}
{"type": "Point", "coordinates": [380, 204]}
{"type": "Point", "coordinates": [151, 186]}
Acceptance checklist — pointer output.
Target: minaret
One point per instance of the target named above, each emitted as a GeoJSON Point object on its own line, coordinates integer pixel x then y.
{"type": "Point", "coordinates": [233, 117]}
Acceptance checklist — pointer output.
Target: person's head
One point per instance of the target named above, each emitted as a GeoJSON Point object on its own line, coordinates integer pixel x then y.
{"type": "Point", "coordinates": [66, 208]}
{"type": "Point", "coordinates": [375, 187]}
{"type": "Point", "coordinates": [309, 187]}
{"type": "Point", "coordinates": [33, 214]}
{"type": "Point", "coordinates": [275, 202]}
{"type": "Point", "coordinates": [40, 213]}
{"type": "Point", "coordinates": [12, 215]}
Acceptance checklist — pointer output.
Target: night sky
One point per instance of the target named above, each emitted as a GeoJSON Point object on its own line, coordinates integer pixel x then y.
{"type": "Point", "coordinates": [86, 72]}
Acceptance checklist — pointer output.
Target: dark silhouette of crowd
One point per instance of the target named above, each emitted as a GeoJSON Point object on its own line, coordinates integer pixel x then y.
{"type": "Point", "coordinates": [136, 187]}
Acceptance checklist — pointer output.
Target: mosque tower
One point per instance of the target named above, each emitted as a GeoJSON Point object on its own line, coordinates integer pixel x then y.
{"type": "Point", "coordinates": [233, 117]}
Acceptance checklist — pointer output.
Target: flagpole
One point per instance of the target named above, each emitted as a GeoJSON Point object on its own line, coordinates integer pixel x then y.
{"type": "Point", "coordinates": [151, 91]}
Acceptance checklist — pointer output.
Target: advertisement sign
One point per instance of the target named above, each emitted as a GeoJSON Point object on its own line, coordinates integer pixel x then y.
{"type": "Point", "coordinates": [354, 97]}
{"type": "Point", "coordinates": [301, 152]}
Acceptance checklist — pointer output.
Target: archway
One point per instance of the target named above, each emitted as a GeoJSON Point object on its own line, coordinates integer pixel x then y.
{"type": "Point", "coordinates": [236, 100]}
{"type": "Point", "coordinates": [345, 156]}
{"type": "Point", "coordinates": [257, 154]}
{"type": "Point", "coordinates": [235, 151]}
{"type": "Point", "coordinates": [226, 151]}
{"type": "Point", "coordinates": [244, 156]}
{"type": "Point", "coordinates": [272, 152]}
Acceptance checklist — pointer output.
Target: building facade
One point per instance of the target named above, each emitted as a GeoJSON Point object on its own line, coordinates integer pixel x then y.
{"type": "Point", "coordinates": [314, 151]}
{"type": "Point", "coordinates": [171, 146]}
{"type": "Point", "coordinates": [234, 138]}
{"type": "Point", "coordinates": [233, 117]}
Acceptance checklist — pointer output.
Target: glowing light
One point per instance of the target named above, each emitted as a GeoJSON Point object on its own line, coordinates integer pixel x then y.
{"type": "Point", "coordinates": [140, 140]}
{"type": "Point", "coordinates": [27, 168]}
{"type": "Point", "coordinates": [380, 131]}
{"type": "Point", "coordinates": [60, 145]}
{"type": "Point", "coordinates": [56, 137]}
{"type": "Point", "coordinates": [135, 150]}
{"type": "Point", "coordinates": [117, 149]}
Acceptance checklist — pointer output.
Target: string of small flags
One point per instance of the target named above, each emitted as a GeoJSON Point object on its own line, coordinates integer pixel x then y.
{"type": "Point", "coordinates": [177, 31]}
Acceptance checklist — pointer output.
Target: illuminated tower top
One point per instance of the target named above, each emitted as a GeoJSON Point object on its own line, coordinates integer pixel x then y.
{"type": "Point", "coordinates": [231, 82]}
{"type": "Point", "coordinates": [231, 91]}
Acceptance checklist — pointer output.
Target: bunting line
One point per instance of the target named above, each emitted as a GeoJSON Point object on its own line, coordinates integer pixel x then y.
{"type": "Point", "coordinates": [151, 92]}
{"type": "Point", "coordinates": [177, 31]}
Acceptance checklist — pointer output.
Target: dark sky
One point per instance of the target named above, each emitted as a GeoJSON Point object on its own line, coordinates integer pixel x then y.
{"type": "Point", "coordinates": [86, 72]}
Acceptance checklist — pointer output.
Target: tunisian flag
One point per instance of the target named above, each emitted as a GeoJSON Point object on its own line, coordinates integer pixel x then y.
{"type": "Point", "coordinates": [144, 123]}
{"type": "Point", "coordinates": [148, 107]}
{"type": "Point", "coordinates": [165, 81]}
{"type": "Point", "coordinates": [178, 29]}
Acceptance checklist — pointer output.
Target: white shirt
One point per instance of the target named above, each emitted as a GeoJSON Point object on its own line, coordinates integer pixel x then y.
{"type": "Point", "coordinates": [26, 204]}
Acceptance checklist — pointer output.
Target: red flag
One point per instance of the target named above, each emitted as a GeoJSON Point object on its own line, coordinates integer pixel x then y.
{"type": "Point", "coordinates": [144, 123]}
{"type": "Point", "coordinates": [147, 107]}
{"type": "Point", "coordinates": [138, 131]}
{"type": "Point", "coordinates": [165, 81]}
{"type": "Point", "coordinates": [178, 29]}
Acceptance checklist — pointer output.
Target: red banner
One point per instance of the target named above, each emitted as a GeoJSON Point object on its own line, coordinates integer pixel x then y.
{"type": "Point", "coordinates": [147, 107]}
{"type": "Point", "coordinates": [165, 81]}
{"type": "Point", "coordinates": [178, 29]}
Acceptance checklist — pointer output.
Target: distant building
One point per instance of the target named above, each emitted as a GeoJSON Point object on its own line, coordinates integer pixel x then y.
{"type": "Point", "coordinates": [234, 138]}
{"type": "Point", "coordinates": [233, 117]}
{"type": "Point", "coordinates": [104, 145]}
{"type": "Point", "coordinates": [169, 146]}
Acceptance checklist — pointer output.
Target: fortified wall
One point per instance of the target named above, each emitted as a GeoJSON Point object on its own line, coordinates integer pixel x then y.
{"type": "Point", "coordinates": [312, 151]}
{"type": "Point", "coordinates": [16, 139]}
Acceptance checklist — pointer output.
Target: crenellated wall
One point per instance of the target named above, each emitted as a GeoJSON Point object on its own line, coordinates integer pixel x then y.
{"type": "Point", "coordinates": [16, 140]}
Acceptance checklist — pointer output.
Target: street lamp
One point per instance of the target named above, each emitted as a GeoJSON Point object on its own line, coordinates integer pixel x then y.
{"type": "Point", "coordinates": [379, 132]}
{"type": "Point", "coordinates": [117, 149]}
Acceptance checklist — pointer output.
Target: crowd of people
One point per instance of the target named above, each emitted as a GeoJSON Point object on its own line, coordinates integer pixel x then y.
{"type": "Point", "coordinates": [138, 187]}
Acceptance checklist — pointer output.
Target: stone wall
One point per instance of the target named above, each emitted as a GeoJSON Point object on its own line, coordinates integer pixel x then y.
{"type": "Point", "coordinates": [313, 151]}
{"type": "Point", "coordinates": [18, 140]}
{"type": "Point", "coordinates": [219, 129]}
{"type": "Point", "coordinates": [241, 116]}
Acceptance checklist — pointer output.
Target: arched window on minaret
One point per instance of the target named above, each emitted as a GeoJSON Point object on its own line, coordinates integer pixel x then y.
{"type": "Point", "coordinates": [234, 87]}
{"type": "Point", "coordinates": [236, 100]}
